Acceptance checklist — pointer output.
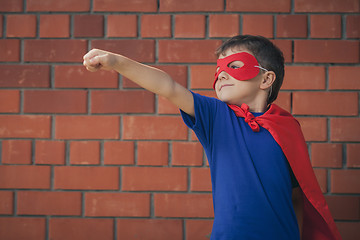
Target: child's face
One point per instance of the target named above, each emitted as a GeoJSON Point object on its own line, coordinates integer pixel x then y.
{"type": "Point", "coordinates": [242, 89]}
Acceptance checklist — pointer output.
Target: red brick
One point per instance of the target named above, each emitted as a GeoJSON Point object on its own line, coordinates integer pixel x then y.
{"type": "Point", "coordinates": [16, 151]}
{"type": "Point", "coordinates": [52, 50]}
{"type": "Point", "coordinates": [258, 25]}
{"type": "Point", "coordinates": [11, 6]}
{"type": "Point", "coordinates": [224, 25]}
{"type": "Point", "coordinates": [326, 155]}
{"type": "Point", "coordinates": [345, 181]}
{"type": "Point", "coordinates": [22, 228]}
{"type": "Point", "coordinates": [94, 178]}
{"type": "Point", "coordinates": [85, 152]}
{"type": "Point", "coordinates": [122, 101]}
{"type": "Point", "coordinates": [200, 179]}
{"type": "Point", "coordinates": [122, 26]}
{"type": "Point", "coordinates": [6, 202]}
{"type": "Point", "coordinates": [187, 205]}
{"type": "Point", "coordinates": [258, 6]}
{"type": "Point", "coordinates": [49, 203]}
{"type": "Point", "coordinates": [29, 177]}
{"type": "Point", "coordinates": [154, 179]}
{"type": "Point", "coordinates": [12, 126]}
{"type": "Point", "coordinates": [155, 25]}
{"type": "Point", "coordinates": [344, 77]}
{"type": "Point", "coordinates": [152, 153]}
{"type": "Point", "coordinates": [321, 176]}
{"type": "Point", "coordinates": [345, 129]}
{"type": "Point", "coordinates": [25, 76]}
{"type": "Point", "coordinates": [189, 26]}
{"type": "Point", "coordinates": [202, 76]}
{"type": "Point", "coordinates": [326, 6]}
{"type": "Point", "coordinates": [88, 26]}
{"type": "Point", "coordinates": [119, 153]}
{"type": "Point", "coordinates": [314, 129]}
{"type": "Point", "coordinates": [117, 204]}
{"type": "Point", "coordinates": [349, 230]}
{"type": "Point", "coordinates": [10, 101]}
{"type": "Point", "coordinates": [344, 207]}
{"type": "Point", "coordinates": [291, 26]}
{"type": "Point", "coordinates": [58, 6]}
{"type": "Point", "coordinates": [79, 77]}
{"type": "Point", "coordinates": [54, 101]}
{"type": "Point", "coordinates": [206, 161]}
{"type": "Point", "coordinates": [150, 127]}
{"type": "Point", "coordinates": [325, 26]}
{"type": "Point", "coordinates": [353, 155]}
{"type": "Point", "coordinates": [177, 72]}
{"type": "Point", "coordinates": [304, 77]}
{"type": "Point", "coordinates": [325, 103]}
{"type": "Point", "coordinates": [87, 127]}
{"type": "Point", "coordinates": [21, 26]}
{"type": "Point", "coordinates": [166, 107]}
{"type": "Point", "coordinates": [198, 229]}
{"type": "Point", "coordinates": [352, 26]}
{"type": "Point", "coordinates": [139, 50]}
{"type": "Point", "coordinates": [81, 229]}
{"type": "Point", "coordinates": [283, 100]}
{"type": "Point", "coordinates": [50, 152]}
{"type": "Point", "coordinates": [327, 51]}
{"type": "Point", "coordinates": [183, 50]}
{"type": "Point", "coordinates": [286, 47]}
{"type": "Point", "coordinates": [159, 229]}
{"type": "Point", "coordinates": [191, 6]}
{"type": "Point", "coordinates": [125, 6]}
{"type": "Point", "coordinates": [54, 26]}
{"type": "Point", "coordinates": [1, 25]}
{"type": "Point", "coordinates": [187, 153]}
{"type": "Point", "coordinates": [10, 50]}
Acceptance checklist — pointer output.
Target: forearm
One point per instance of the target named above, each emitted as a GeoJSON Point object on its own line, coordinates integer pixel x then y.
{"type": "Point", "coordinates": [150, 78]}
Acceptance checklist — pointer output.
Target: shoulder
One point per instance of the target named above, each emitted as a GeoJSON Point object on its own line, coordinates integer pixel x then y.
{"type": "Point", "coordinates": [210, 101]}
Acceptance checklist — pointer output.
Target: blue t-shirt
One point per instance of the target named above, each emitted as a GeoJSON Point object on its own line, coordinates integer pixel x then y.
{"type": "Point", "coordinates": [250, 178]}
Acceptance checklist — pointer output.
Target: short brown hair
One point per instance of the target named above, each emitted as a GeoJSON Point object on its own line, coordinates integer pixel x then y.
{"type": "Point", "coordinates": [266, 53]}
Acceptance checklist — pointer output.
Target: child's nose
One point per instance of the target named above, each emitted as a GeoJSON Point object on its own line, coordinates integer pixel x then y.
{"type": "Point", "coordinates": [223, 75]}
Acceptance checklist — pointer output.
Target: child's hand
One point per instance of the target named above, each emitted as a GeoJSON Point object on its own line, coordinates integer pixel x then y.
{"type": "Point", "coordinates": [98, 59]}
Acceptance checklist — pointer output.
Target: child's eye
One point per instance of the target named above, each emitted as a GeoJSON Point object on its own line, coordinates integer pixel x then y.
{"type": "Point", "coordinates": [234, 66]}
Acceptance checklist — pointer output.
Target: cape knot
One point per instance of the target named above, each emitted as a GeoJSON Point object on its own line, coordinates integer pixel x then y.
{"type": "Point", "coordinates": [250, 118]}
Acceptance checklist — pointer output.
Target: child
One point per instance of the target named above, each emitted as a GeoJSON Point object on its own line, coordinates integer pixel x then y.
{"type": "Point", "coordinates": [262, 180]}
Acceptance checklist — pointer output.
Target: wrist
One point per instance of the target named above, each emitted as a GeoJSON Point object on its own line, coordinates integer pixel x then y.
{"type": "Point", "coordinates": [118, 62]}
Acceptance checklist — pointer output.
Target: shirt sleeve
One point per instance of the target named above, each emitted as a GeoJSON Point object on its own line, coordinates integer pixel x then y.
{"type": "Point", "coordinates": [202, 124]}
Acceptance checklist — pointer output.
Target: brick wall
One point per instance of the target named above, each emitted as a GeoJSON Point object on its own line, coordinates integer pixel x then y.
{"type": "Point", "coordinates": [93, 156]}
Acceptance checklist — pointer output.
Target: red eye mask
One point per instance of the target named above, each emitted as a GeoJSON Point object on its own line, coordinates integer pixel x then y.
{"type": "Point", "coordinates": [246, 72]}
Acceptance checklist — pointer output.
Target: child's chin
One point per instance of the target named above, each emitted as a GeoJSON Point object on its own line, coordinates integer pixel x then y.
{"type": "Point", "coordinates": [227, 101]}
{"type": "Point", "coordinates": [225, 98]}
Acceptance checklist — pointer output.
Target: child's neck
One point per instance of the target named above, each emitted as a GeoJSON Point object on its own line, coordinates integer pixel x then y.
{"type": "Point", "coordinates": [258, 105]}
{"type": "Point", "coordinates": [261, 107]}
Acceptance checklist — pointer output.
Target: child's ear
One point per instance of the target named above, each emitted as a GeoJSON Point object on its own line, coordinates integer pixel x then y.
{"type": "Point", "coordinates": [268, 80]}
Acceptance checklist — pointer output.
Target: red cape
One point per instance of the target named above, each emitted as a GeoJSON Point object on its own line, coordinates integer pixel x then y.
{"type": "Point", "coordinates": [318, 223]}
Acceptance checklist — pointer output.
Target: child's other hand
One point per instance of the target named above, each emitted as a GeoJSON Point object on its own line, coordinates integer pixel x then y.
{"type": "Point", "coordinates": [97, 59]}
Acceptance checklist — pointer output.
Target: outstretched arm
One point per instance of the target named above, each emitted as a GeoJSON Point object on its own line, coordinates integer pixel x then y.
{"type": "Point", "coordinates": [150, 78]}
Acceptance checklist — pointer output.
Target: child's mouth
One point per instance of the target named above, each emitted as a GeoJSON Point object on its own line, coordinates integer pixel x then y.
{"type": "Point", "coordinates": [225, 85]}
